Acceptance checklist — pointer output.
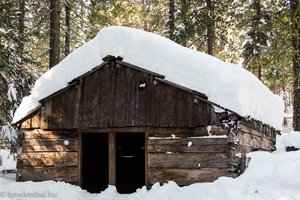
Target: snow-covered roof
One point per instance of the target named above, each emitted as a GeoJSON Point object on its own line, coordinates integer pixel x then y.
{"type": "Point", "coordinates": [226, 84]}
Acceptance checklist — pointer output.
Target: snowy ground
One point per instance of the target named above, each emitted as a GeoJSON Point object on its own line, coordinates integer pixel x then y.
{"type": "Point", "coordinates": [270, 176]}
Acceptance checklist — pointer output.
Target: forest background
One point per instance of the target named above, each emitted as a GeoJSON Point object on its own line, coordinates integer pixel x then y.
{"type": "Point", "coordinates": [259, 35]}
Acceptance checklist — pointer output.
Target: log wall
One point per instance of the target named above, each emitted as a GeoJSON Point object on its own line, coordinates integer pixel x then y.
{"type": "Point", "coordinates": [183, 155]}
{"type": "Point", "coordinates": [251, 136]}
{"type": "Point", "coordinates": [188, 156]}
{"type": "Point", "coordinates": [48, 155]}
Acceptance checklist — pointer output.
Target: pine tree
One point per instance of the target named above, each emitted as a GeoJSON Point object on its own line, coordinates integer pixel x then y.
{"type": "Point", "coordinates": [54, 56]}
{"type": "Point", "coordinates": [210, 27]}
{"type": "Point", "coordinates": [171, 20]}
{"type": "Point", "coordinates": [68, 27]}
{"type": "Point", "coordinates": [295, 20]}
{"type": "Point", "coordinates": [15, 74]}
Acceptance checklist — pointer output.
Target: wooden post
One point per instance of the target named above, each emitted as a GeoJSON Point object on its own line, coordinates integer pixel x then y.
{"type": "Point", "coordinates": [80, 157]}
{"type": "Point", "coordinates": [146, 156]}
{"type": "Point", "coordinates": [112, 157]}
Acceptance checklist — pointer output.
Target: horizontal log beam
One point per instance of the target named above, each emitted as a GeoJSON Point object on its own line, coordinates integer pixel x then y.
{"type": "Point", "coordinates": [67, 174]}
{"type": "Point", "coordinates": [50, 145]}
{"type": "Point", "coordinates": [48, 134]}
{"type": "Point", "coordinates": [58, 159]}
{"type": "Point", "coordinates": [188, 160]}
{"type": "Point", "coordinates": [186, 141]}
{"type": "Point", "coordinates": [186, 176]}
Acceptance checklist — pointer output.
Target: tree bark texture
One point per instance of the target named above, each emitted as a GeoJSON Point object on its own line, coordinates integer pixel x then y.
{"type": "Point", "coordinates": [295, 19]}
{"type": "Point", "coordinates": [183, 10]}
{"type": "Point", "coordinates": [210, 27]}
{"type": "Point", "coordinates": [21, 25]}
{"type": "Point", "coordinates": [54, 33]}
{"type": "Point", "coordinates": [171, 21]}
{"type": "Point", "coordinates": [68, 29]}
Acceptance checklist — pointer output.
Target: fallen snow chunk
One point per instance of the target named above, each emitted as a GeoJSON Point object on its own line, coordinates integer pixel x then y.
{"type": "Point", "coordinates": [142, 85]}
{"type": "Point", "coordinates": [169, 152]}
{"type": "Point", "coordinates": [208, 128]}
{"type": "Point", "coordinates": [66, 142]}
{"type": "Point", "coordinates": [189, 144]}
{"type": "Point", "coordinates": [218, 109]}
{"type": "Point", "coordinates": [210, 136]}
{"type": "Point", "coordinates": [164, 138]}
{"type": "Point", "coordinates": [238, 155]}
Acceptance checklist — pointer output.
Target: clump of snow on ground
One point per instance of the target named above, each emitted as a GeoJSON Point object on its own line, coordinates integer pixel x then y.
{"type": "Point", "coordinates": [226, 84]}
{"type": "Point", "coordinates": [269, 176]}
{"type": "Point", "coordinates": [291, 139]}
{"type": "Point", "coordinates": [8, 161]}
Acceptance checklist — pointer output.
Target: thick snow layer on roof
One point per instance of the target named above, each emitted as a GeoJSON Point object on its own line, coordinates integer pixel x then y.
{"type": "Point", "coordinates": [225, 84]}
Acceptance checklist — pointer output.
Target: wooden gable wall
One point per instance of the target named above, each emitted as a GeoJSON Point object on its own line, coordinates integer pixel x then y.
{"type": "Point", "coordinates": [111, 97]}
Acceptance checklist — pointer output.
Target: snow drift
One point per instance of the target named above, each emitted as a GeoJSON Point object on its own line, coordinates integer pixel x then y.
{"type": "Point", "coordinates": [225, 84]}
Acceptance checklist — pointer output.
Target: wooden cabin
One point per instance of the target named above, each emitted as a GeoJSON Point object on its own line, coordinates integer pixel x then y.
{"type": "Point", "coordinates": [122, 125]}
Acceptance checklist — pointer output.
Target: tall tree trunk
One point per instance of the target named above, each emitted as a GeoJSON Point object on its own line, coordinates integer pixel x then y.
{"type": "Point", "coordinates": [21, 27]}
{"type": "Point", "coordinates": [210, 27]}
{"type": "Point", "coordinates": [259, 75]}
{"type": "Point", "coordinates": [295, 19]}
{"type": "Point", "coordinates": [68, 28]}
{"type": "Point", "coordinates": [146, 5]}
{"type": "Point", "coordinates": [171, 20]}
{"type": "Point", "coordinates": [183, 10]}
{"type": "Point", "coordinates": [54, 32]}
{"type": "Point", "coordinates": [257, 35]}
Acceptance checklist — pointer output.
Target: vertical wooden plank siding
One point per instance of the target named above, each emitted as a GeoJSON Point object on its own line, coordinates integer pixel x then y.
{"type": "Point", "coordinates": [111, 97]}
{"type": "Point", "coordinates": [80, 156]}
{"type": "Point", "coordinates": [146, 157]}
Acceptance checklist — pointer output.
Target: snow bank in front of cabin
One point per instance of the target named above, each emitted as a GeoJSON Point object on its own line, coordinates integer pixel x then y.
{"type": "Point", "coordinates": [291, 139]}
{"type": "Point", "coordinates": [269, 176]}
{"type": "Point", "coordinates": [226, 84]}
{"type": "Point", "coordinates": [7, 160]}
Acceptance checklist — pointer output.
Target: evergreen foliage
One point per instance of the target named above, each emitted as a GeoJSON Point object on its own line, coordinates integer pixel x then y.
{"type": "Point", "coordinates": [255, 34]}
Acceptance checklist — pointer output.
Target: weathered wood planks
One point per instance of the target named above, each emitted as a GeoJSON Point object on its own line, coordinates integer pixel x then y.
{"type": "Point", "coordinates": [112, 97]}
{"type": "Point", "coordinates": [48, 155]}
{"type": "Point", "coordinates": [67, 174]}
{"type": "Point", "coordinates": [185, 156]}
{"type": "Point", "coordinates": [188, 160]}
{"type": "Point", "coordinates": [186, 176]}
{"type": "Point", "coordinates": [50, 145]}
{"type": "Point", "coordinates": [49, 159]}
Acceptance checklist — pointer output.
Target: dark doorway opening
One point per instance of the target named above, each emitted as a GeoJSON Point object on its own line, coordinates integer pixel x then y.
{"type": "Point", "coordinates": [130, 162]}
{"type": "Point", "coordinates": [94, 167]}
